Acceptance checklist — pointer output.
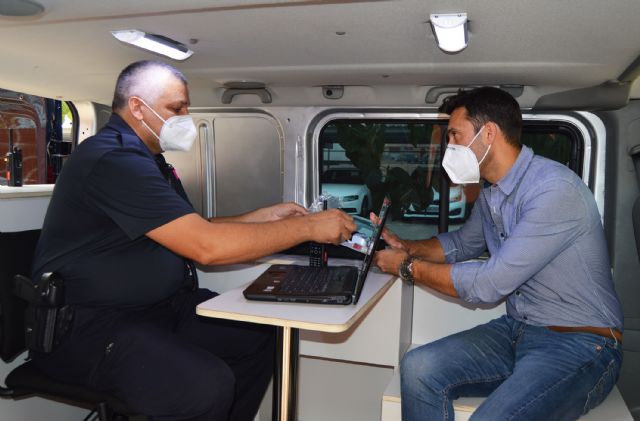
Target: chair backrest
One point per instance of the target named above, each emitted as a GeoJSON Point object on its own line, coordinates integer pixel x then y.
{"type": "Point", "coordinates": [635, 213]}
{"type": "Point", "coordinates": [16, 254]}
{"type": "Point", "coordinates": [635, 217]}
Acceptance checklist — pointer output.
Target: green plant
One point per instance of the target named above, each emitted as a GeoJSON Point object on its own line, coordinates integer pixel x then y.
{"type": "Point", "coordinates": [364, 145]}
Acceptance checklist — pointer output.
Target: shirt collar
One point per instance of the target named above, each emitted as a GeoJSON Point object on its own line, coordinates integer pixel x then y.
{"type": "Point", "coordinates": [118, 123]}
{"type": "Point", "coordinates": [509, 182]}
{"type": "Point", "coordinates": [128, 136]}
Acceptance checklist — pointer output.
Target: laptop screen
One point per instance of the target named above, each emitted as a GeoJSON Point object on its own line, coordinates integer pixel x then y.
{"type": "Point", "coordinates": [372, 246]}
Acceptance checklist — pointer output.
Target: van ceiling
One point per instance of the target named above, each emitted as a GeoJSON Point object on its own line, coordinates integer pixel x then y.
{"type": "Point", "coordinates": [68, 51]}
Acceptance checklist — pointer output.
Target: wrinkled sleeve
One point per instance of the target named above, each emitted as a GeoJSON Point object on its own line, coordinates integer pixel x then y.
{"type": "Point", "coordinates": [550, 219]}
{"type": "Point", "coordinates": [466, 243]}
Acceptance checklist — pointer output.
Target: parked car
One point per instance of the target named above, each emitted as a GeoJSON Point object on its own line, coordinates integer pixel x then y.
{"type": "Point", "coordinates": [346, 190]}
{"type": "Point", "coordinates": [457, 206]}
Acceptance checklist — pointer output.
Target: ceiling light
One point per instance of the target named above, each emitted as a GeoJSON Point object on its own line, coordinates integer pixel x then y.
{"type": "Point", "coordinates": [156, 43]}
{"type": "Point", "coordinates": [450, 30]}
{"type": "Point", "coordinates": [20, 8]}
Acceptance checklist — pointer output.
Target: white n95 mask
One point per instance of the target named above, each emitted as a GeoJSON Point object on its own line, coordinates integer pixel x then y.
{"type": "Point", "coordinates": [461, 163]}
{"type": "Point", "coordinates": [177, 134]}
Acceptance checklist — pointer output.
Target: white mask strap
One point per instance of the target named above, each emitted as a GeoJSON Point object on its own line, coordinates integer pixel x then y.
{"type": "Point", "coordinates": [485, 155]}
{"type": "Point", "coordinates": [149, 128]}
{"type": "Point", "coordinates": [472, 140]}
{"type": "Point", "coordinates": [154, 111]}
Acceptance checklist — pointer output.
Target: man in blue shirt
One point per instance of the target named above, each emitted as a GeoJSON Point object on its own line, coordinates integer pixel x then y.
{"type": "Point", "coordinates": [122, 234]}
{"type": "Point", "coordinates": [556, 354]}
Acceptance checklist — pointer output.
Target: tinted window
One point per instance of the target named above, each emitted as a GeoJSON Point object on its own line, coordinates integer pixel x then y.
{"type": "Point", "coordinates": [342, 176]}
{"type": "Point", "coordinates": [402, 159]}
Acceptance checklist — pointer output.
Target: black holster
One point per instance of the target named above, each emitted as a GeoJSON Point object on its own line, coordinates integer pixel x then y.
{"type": "Point", "coordinates": [47, 318]}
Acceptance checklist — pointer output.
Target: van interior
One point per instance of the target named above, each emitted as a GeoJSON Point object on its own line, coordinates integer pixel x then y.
{"type": "Point", "coordinates": [294, 99]}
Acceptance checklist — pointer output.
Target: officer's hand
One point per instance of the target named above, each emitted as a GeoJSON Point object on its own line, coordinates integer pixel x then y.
{"type": "Point", "coordinates": [331, 226]}
{"type": "Point", "coordinates": [389, 260]}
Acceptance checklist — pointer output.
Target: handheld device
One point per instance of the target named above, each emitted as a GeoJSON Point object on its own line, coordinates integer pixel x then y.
{"type": "Point", "coordinates": [318, 254]}
{"type": "Point", "coordinates": [14, 167]}
{"type": "Point", "coordinates": [13, 159]}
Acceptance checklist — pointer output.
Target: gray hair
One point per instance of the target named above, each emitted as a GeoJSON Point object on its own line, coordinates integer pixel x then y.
{"type": "Point", "coordinates": [143, 79]}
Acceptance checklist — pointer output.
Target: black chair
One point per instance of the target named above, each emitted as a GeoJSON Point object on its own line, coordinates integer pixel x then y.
{"type": "Point", "coordinates": [16, 253]}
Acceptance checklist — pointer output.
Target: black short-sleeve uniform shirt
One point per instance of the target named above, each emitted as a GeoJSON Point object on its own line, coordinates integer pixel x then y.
{"type": "Point", "coordinates": [110, 193]}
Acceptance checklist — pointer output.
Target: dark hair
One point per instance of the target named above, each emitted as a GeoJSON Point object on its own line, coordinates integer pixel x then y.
{"type": "Point", "coordinates": [131, 81]}
{"type": "Point", "coordinates": [488, 104]}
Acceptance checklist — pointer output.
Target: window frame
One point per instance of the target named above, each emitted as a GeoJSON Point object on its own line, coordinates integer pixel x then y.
{"type": "Point", "coordinates": [583, 127]}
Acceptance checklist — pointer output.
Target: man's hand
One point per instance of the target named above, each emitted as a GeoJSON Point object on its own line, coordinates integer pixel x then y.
{"type": "Point", "coordinates": [392, 239]}
{"type": "Point", "coordinates": [331, 226]}
{"type": "Point", "coordinates": [389, 260]}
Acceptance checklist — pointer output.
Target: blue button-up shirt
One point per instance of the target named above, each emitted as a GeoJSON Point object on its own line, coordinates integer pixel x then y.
{"type": "Point", "coordinates": [548, 254]}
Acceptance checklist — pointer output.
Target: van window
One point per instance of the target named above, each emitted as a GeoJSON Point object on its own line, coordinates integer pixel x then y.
{"type": "Point", "coordinates": [362, 160]}
{"type": "Point", "coordinates": [41, 129]}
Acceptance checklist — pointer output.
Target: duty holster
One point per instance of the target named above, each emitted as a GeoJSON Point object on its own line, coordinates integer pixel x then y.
{"type": "Point", "coordinates": [47, 318]}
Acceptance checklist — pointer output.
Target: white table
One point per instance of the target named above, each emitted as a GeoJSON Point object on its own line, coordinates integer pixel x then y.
{"type": "Point", "coordinates": [289, 317]}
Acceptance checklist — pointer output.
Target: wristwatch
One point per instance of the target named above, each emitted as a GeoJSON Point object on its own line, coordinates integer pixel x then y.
{"type": "Point", "coordinates": [406, 269]}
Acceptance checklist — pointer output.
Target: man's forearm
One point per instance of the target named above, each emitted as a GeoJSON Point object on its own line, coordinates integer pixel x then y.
{"type": "Point", "coordinates": [248, 241]}
{"type": "Point", "coordinates": [232, 242]}
{"type": "Point", "coordinates": [434, 275]}
{"type": "Point", "coordinates": [429, 250]}
{"type": "Point", "coordinates": [245, 217]}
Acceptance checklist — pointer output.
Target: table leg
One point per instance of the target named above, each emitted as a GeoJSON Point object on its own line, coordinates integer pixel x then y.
{"type": "Point", "coordinates": [277, 377]}
{"type": "Point", "coordinates": [288, 381]}
{"type": "Point", "coordinates": [294, 353]}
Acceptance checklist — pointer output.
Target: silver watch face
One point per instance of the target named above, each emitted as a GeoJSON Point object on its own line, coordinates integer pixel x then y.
{"type": "Point", "coordinates": [405, 270]}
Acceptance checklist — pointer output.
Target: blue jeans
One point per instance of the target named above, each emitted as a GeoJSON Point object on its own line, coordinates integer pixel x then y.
{"type": "Point", "coordinates": [527, 372]}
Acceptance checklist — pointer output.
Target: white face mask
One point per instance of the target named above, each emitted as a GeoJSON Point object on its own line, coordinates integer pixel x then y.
{"type": "Point", "coordinates": [461, 163]}
{"type": "Point", "coordinates": [177, 134]}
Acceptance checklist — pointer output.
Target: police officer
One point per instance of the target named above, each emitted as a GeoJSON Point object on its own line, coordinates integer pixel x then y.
{"type": "Point", "coordinates": [123, 236]}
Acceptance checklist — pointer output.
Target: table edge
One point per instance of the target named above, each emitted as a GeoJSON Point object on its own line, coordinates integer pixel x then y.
{"type": "Point", "coordinates": [321, 327]}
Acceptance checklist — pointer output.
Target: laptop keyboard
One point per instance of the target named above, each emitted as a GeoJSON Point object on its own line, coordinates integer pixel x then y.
{"type": "Point", "coordinates": [303, 280]}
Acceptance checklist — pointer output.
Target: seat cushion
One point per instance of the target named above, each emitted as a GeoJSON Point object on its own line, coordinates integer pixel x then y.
{"type": "Point", "coordinates": [27, 379]}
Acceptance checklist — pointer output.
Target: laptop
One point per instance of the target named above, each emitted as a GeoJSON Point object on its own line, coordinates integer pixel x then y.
{"type": "Point", "coordinates": [318, 285]}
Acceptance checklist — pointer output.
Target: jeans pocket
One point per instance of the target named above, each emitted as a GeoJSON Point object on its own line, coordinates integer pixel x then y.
{"type": "Point", "coordinates": [603, 386]}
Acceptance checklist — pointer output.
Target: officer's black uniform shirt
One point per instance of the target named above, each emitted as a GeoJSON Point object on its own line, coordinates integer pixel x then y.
{"type": "Point", "coordinates": [109, 194]}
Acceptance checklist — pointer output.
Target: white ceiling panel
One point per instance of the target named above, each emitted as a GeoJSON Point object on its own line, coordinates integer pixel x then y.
{"type": "Point", "coordinates": [69, 52]}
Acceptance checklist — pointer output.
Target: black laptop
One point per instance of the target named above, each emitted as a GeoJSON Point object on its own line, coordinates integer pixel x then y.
{"type": "Point", "coordinates": [320, 285]}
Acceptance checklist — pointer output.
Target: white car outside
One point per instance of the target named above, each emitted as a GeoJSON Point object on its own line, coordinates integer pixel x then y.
{"type": "Point", "coordinates": [457, 205]}
{"type": "Point", "coordinates": [345, 189]}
